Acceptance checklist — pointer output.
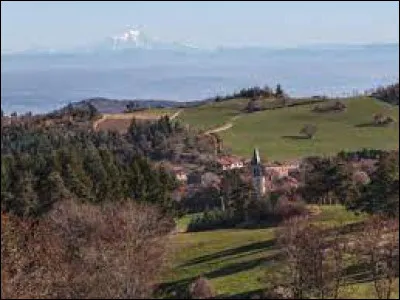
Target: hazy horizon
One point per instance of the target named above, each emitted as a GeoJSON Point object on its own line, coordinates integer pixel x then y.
{"type": "Point", "coordinates": [39, 83]}
{"type": "Point", "coordinates": [42, 83]}
{"type": "Point", "coordinates": [59, 25]}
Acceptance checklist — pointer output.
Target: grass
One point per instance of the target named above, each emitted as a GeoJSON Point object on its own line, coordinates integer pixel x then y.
{"type": "Point", "coordinates": [276, 132]}
{"type": "Point", "coordinates": [212, 114]}
{"type": "Point", "coordinates": [182, 223]}
{"type": "Point", "coordinates": [337, 215]}
{"type": "Point", "coordinates": [234, 260]}
{"type": "Point", "coordinates": [223, 256]}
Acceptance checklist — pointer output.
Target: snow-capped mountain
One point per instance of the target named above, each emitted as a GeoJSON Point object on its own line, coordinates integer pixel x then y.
{"type": "Point", "coordinates": [134, 38]}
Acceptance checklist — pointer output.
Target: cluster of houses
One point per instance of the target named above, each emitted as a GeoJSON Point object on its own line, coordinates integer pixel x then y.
{"type": "Point", "coordinates": [265, 176]}
{"type": "Point", "coordinates": [230, 162]}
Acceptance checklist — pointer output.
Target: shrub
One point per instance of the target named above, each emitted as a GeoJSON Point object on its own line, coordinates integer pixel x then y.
{"type": "Point", "coordinates": [309, 130]}
{"type": "Point", "coordinates": [361, 177]}
{"type": "Point", "coordinates": [382, 120]}
{"type": "Point", "coordinates": [286, 209]}
{"type": "Point", "coordinates": [361, 154]}
{"type": "Point", "coordinates": [259, 210]}
{"type": "Point", "coordinates": [336, 106]}
{"type": "Point", "coordinates": [253, 105]}
{"type": "Point", "coordinates": [278, 292]}
{"type": "Point", "coordinates": [206, 198]}
{"type": "Point", "coordinates": [212, 219]}
{"type": "Point", "coordinates": [201, 288]}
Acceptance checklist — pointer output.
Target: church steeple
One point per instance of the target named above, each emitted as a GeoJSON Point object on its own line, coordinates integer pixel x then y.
{"type": "Point", "coordinates": [256, 157]}
{"type": "Point", "coordinates": [258, 176]}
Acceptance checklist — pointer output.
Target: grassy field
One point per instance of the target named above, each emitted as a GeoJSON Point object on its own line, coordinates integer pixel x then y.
{"type": "Point", "coordinates": [213, 114]}
{"type": "Point", "coordinates": [235, 260]}
{"type": "Point", "coordinates": [276, 132]}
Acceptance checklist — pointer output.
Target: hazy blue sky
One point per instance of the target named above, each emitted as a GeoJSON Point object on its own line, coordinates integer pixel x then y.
{"type": "Point", "coordinates": [64, 24]}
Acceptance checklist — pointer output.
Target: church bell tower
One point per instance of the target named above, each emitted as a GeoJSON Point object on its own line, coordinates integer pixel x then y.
{"type": "Point", "coordinates": [258, 174]}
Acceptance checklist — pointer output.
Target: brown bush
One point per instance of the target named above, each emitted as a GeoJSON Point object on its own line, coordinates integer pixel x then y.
{"type": "Point", "coordinates": [83, 251]}
{"type": "Point", "coordinates": [332, 106]}
{"type": "Point", "coordinates": [287, 209]}
{"type": "Point", "coordinates": [201, 289]}
{"type": "Point", "coordinates": [309, 130]}
{"type": "Point", "coordinates": [278, 292]}
{"type": "Point", "coordinates": [381, 119]}
{"type": "Point", "coordinates": [361, 177]}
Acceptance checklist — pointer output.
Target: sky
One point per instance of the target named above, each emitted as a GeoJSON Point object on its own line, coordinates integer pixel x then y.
{"type": "Point", "coordinates": [61, 24]}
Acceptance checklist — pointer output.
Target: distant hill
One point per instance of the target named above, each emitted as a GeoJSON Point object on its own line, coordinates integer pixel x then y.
{"type": "Point", "coordinates": [276, 132]}
{"type": "Point", "coordinates": [105, 105]}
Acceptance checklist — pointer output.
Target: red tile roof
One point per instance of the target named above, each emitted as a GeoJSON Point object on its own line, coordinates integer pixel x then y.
{"type": "Point", "coordinates": [229, 160]}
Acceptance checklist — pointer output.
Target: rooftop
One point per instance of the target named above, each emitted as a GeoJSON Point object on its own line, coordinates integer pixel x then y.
{"type": "Point", "coordinates": [228, 160]}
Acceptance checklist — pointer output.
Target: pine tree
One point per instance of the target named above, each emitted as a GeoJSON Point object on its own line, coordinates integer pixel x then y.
{"type": "Point", "coordinates": [75, 185]}
{"type": "Point", "coordinates": [278, 91]}
{"type": "Point", "coordinates": [26, 200]}
{"type": "Point", "coordinates": [51, 190]}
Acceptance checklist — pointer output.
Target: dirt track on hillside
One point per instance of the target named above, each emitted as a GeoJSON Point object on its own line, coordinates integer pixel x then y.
{"type": "Point", "coordinates": [221, 128]}
{"type": "Point", "coordinates": [120, 122]}
{"type": "Point", "coordinates": [224, 127]}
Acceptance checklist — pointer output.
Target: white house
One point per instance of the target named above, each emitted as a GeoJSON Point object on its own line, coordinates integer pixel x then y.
{"type": "Point", "coordinates": [230, 162]}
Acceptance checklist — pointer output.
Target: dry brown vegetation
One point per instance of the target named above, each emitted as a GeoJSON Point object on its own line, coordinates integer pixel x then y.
{"type": "Point", "coordinates": [121, 122]}
{"type": "Point", "coordinates": [84, 251]}
{"type": "Point", "coordinates": [321, 264]}
{"type": "Point", "coordinates": [331, 106]}
{"type": "Point", "coordinates": [201, 289]}
{"type": "Point", "coordinates": [377, 248]}
{"type": "Point", "coordinates": [117, 125]}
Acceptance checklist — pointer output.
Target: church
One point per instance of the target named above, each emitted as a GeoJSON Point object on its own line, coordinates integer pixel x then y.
{"type": "Point", "coordinates": [258, 174]}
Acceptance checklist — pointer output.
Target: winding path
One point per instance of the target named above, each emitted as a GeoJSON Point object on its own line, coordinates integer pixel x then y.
{"type": "Point", "coordinates": [224, 127]}
{"type": "Point", "coordinates": [221, 128]}
{"type": "Point", "coordinates": [175, 115]}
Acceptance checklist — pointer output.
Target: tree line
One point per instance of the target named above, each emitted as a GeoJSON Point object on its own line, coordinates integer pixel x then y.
{"type": "Point", "coordinates": [332, 180]}
{"type": "Point", "coordinates": [253, 92]}
{"type": "Point", "coordinates": [41, 165]}
{"type": "Point", "coordinates": [67, 190]}
{"type": "Point", "coordinates": [388, 93]}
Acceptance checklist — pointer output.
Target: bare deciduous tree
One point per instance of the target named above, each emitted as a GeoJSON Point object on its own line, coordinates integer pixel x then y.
{"type": "Point", "coordinates": [316, 261]}
{"type": "Point", "coordinates": [314, 265]}
{"type": "Point", "coordinates": [378, 248]}
{"type": "Point", "coordinates": [84, 251]}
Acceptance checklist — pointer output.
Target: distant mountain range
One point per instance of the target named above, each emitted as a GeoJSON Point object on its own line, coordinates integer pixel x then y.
{"type": "Point", "coordinates": [131, 39]}
{"type": "Point", "coordinates": [134, 65]}
{"type": "Point", "coordinates": [136, 39]}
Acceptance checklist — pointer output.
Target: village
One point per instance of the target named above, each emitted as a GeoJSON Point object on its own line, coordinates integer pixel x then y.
{"type": "Point", "coordinates": [272, 176]}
